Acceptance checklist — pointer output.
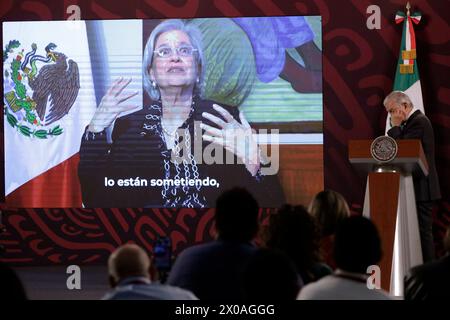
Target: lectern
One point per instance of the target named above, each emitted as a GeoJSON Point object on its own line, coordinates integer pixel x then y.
{"type": "Point", "coordinates": [390, 204]}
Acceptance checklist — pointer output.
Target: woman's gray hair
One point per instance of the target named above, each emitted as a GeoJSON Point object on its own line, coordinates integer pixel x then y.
{"type": "Point", "coordinates": [398, 97]}
{"type": "Point", "coordinates": [196, 40]}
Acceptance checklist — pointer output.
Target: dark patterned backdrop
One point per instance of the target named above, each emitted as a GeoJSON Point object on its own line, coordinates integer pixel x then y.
{"type": "Point", "coordinates": [358, 71]}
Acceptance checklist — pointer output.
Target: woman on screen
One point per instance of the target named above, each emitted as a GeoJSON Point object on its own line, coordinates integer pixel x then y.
{"type": "Point", "coordinates": [174, 152]}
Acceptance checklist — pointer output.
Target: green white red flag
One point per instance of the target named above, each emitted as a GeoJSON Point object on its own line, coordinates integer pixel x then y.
{"type": "Point", "coordinates": [407, 73]}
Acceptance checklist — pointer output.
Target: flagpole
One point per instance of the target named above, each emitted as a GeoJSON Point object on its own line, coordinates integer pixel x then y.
{"type": "Point", "coordinates": [407, 249]}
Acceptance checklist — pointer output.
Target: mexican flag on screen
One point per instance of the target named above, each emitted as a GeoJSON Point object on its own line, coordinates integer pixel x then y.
{"type": "Point", "coordinates": [407, 74]}
{"type": "Point", "coordinates": [48, 101]}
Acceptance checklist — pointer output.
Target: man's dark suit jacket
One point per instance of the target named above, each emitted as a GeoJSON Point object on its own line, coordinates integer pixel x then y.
{"type": "Point", "coordinates": [418, 126]}
{"type": "Point", "coordinates": [213, 271]}
{"type": "Point", "coordinates": [429, 281]}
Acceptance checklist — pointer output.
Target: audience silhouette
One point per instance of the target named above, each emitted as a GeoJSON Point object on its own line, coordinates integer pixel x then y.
{"type": "Point", "coordinates": [130, 272]}
{"type": "Point", "coordinates": [430, 281]}
{"type": "Point", "coordinates": [357, 246]}
{"type": "Point", "coordinates": [213, 271]}
{"type": "Point", "coordinates": [11, 287]}
{"type": "Point", "coordinates": [293, 231]}
{"type": "Point", "coordinates": [271, 276]}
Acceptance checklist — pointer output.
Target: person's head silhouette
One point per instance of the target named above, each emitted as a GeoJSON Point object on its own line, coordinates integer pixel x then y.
{"type": "Point", "coordinates": [357, 245]}
{"type": "Point", "coordinates": [236, 216]}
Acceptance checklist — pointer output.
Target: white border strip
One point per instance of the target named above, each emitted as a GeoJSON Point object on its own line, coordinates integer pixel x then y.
{"type": "Point", "coordinates": [294, 138]}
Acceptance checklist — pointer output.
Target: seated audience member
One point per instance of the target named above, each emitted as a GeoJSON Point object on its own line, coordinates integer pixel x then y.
{"type": "Point", "coordinates": [129, 276]}
{"type": "Point", "coordinates": [293, 231]}
{"type": "Point", "coordinates": [357, 246]}
{"type": "Point", "coordinates": [430, 281]}
{"type": "Point", "coordinates": [271, 276]}
{"type": "Point", "coordinates": [11, 287]}
{"type": "Point", "coordinates": [329, 208]}
{"type": "Point", "coordinates": [213, 271]}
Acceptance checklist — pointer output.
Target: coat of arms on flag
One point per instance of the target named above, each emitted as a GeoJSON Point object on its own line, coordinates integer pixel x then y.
{"type": "Point", "coordinates": [48, 100]}
{"type": "Point", "coordinates": [40, 89]}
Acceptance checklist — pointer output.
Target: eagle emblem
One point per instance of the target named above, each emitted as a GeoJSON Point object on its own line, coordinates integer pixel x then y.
{"type": "Point", "coordinates": [384, 149]}
{"type": "Point", "coordinates": [54, 81]}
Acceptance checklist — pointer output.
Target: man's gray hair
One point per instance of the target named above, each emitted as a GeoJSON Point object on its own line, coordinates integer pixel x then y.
{"type": "Point", "coordinates": [194, 35]}
{"type": "Point", "coordinates": [398, 97]}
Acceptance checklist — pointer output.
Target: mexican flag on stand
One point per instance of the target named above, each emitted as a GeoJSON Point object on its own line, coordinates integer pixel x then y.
{"type": "Point", "coordinates": [407, 73]}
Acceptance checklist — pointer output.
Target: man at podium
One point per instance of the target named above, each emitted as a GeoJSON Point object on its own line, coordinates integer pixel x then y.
{"type": "Point", "coordinates": [408, 123]}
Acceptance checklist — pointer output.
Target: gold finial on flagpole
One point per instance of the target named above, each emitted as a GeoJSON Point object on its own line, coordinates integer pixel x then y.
{"type": "Point", "coordinates": [408, 6]}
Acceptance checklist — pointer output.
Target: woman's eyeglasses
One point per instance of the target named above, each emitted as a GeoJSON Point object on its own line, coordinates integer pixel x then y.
{"type": "Point", "coordinates": [182, 51]}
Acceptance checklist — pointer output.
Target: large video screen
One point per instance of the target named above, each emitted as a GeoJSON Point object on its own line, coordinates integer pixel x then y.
{"type": "Point", "coordinates": [160, 113]}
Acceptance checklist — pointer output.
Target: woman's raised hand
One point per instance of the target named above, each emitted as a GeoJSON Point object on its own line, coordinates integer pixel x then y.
{"type": "Point", "coordinates": [112, 105]}
{"type": "Point", "coordinates": [238, 138]}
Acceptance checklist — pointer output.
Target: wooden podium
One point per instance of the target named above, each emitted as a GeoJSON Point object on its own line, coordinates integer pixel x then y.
{"type": "Point", "coordinates": [385, 193]}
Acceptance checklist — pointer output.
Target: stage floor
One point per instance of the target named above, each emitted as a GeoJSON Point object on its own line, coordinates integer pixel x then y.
{"type": "Point", "coordinates": [49, 283]}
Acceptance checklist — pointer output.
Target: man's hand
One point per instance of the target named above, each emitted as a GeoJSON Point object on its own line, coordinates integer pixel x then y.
{"type": "Point", "coordinates": [397, 116]}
